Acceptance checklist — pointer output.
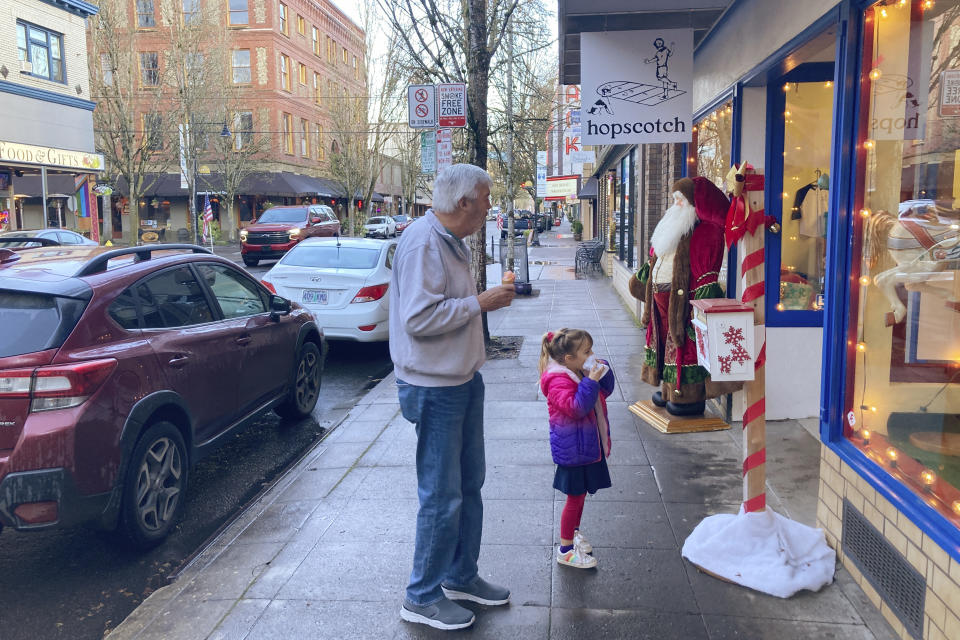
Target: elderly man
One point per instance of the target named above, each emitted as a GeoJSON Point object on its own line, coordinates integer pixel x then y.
{"type": "Point", "coordinates": [436, 343]}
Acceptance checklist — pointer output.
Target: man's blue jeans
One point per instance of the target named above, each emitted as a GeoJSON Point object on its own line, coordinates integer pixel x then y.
{"type": "Point", "coordinates": [450, 471]}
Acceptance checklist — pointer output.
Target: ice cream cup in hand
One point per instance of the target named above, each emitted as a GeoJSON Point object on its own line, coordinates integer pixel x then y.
{"type": "Point", "coordinates": [509, 277]}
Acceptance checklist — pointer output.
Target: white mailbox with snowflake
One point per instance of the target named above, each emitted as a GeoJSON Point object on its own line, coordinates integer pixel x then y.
{"type": "Point", "coordinates": [725, 337]}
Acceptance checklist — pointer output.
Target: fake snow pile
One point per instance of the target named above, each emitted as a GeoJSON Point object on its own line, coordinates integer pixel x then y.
{"type": "Point", "coordinates": [762, 550]}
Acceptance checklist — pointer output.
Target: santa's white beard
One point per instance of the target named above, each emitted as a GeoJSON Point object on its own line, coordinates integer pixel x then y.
{"type": "Point", "coordinates": [678, 221]}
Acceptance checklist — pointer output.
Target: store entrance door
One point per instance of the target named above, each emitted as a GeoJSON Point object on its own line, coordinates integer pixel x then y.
{"type": "Point", "coordinates": [803, 104]}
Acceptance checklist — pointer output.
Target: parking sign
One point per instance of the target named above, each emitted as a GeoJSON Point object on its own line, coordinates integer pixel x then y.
{"type": "Point", "coordinates": [421, 104]}
{"type": "Point", "coordinates": [452, 104]}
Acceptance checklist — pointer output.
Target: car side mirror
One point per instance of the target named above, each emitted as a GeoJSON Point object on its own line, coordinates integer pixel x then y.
{"type": "Point", "coordinates": [279, 306]}
{"type": "Point", "coordinates": [315, 220]}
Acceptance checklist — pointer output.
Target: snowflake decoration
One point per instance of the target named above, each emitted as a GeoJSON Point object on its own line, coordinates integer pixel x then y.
{"type": "Point", "coordinates": [739, 355]}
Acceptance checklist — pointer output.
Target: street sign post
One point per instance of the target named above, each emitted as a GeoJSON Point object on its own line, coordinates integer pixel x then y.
{"type": "Point", "coordinates": [452, 104]}
{"type": "Point", "coordinates": [444, 149]}
{"type": "Point", "coordinates": [428, 152]}
{"type": "Point", "coordinates": [421, 105]}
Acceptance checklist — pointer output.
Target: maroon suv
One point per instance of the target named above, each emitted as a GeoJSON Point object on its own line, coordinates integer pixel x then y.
{"type": "Point", "coordinates": [119, 369]}
{"type": "Point", "coordinates": [279, 228]}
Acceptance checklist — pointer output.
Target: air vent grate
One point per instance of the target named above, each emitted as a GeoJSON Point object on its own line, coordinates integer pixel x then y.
{"type": "Point", "coordinates": [901, 586]}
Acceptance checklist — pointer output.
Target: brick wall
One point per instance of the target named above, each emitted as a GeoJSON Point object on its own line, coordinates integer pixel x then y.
{"type": "Point", "coordinates": [838, 481]}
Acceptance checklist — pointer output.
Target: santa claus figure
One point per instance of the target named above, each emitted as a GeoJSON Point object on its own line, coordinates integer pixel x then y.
{"type": "Point", "coordinates": [686, 254]}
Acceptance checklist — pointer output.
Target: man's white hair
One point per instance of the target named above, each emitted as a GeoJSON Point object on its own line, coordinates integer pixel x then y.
{"type": "Point", "coordinates": [455, 182]}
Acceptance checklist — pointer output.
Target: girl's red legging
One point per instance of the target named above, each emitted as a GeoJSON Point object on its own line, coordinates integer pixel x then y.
{"type": "Point", "coordinates": [570, 517]}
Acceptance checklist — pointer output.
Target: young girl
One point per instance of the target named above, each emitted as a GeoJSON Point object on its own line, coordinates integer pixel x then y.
{"type": "Point", "coordinates": [576, 387]}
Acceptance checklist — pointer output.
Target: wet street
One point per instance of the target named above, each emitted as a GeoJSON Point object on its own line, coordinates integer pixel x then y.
{"type": "Point", "coordinates": [80, 583]}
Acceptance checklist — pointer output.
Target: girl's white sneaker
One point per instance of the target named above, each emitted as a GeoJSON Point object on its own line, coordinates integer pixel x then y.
{"type": "Point", "coordinates": [579, 540]}
{"type": "Point", "coordinates": [576, 558]}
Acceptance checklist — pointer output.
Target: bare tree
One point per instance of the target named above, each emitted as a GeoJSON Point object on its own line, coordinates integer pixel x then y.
{"type": "Point", "coordinates": [133, 131]}
{"type": "Point", "coordinates": [455, 41]}
{"type": "Point", "coordinates": [236, 158]}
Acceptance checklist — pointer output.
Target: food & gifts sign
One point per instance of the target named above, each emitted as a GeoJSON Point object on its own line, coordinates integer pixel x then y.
{"type": "Point", "coordinates": [636, 86]}
{"type": "Point", "coordinates": [50, 156]}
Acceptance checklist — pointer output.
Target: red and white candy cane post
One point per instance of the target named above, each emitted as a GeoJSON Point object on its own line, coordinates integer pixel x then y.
{"type": "Point", "coordinates": [746, 223]}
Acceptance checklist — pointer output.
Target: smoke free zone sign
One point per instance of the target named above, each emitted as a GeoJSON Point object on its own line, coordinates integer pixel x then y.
{"type": "Point", "coordinates": [452, 105]}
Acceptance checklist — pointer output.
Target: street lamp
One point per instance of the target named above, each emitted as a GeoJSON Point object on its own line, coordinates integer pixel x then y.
{"type": "Point", "coordinates": [224, 133]}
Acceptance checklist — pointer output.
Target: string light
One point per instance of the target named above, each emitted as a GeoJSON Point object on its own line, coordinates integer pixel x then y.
{"type": "Point", "coordinates": [780, 306]}
{"type": "Point", "coordinates": [785, 195]}
{"type": "Point", "coordinates": [928, 477]}
{"type": "Point", "coordinates": [865, 434]}
{"type": "Point", "coordinates": [786, 87]}
{"type": "Point", "coordinates": [865, 213]}
{"type": "Point", "coordinates": [883, 12]}
{"type": "Point", "coordinates": [873, 409]}
{"type": "Point", "coordinates": [828, 84]}
{"type": "Point", "coordinates": [956, 507]}
{"type": "Point", "coordinates": [786, 114]}
{"type": "Point", "coordinates": [861, 346]}
{"type": "Point", "coordinates": [691, 159]}
{"type": "Point", "coordinates": [928, 4]}
{"type": "Point", "coordinates": [865, 281]}
{"type": "Point", "coordinates": [875, 73]}
{"type": "Point", "coordinates": [868, 144]}
{"type": "Point", "coordinates": [892, 455]}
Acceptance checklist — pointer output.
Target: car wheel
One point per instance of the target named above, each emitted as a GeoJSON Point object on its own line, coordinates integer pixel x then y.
{"type": "Point", "coordinates": [154, 490]}
{"type": "Point", "coordinates": [251, 262]}
{"type": "Point", "coordinates": [305, 390]}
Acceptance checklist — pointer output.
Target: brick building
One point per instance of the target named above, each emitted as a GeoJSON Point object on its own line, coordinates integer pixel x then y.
{"type": "Point", "coordinates": [46, 132]}
{"type": "Point", "coordinates": [290, 60]}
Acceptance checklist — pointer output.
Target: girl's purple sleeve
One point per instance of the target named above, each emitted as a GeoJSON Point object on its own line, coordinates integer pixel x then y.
{"type": "Point", "coordinates": [606, 382]}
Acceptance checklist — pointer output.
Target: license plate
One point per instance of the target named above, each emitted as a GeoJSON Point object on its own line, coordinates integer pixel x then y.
{"type": "Point", "coordinates": [315, 296]}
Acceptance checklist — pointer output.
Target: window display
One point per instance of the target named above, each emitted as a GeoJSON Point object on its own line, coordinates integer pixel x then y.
{"type": "Point", "coordinates": [712, 140]}
{"type": "Point", "coordinates": [903, 387]}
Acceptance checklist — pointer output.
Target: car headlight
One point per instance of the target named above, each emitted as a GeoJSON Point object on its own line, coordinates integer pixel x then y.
{"type": "Point", "coordinates": [243, 235]}
{"type": "Point", "coordinates": [293, 233]}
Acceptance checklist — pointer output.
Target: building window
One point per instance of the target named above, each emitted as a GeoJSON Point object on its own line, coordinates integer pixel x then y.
{"type": "Point", "coordinates": [191, 11]}
{"type": "Point", "coordinates": [283, 20]}
{"type": "Point", "coordinates": [345, 59]}
{"type": "Point", "coordinates": [106, 69]}
{"type": "Point", "coordinates": [241, 66]}
{"type": "Point", "coordinates": [712, 142]}
{"type": "Point", "coordinates": [149, 68]}
{"type": "Point", "coordinates": [356, 69]}
{"type": "Point", "coordinates": [242, 130]}
{"type": "Point", "coordinates": [145, 14]}
{"type": "Point", "coordinates": [902, 401]}
{"type": "Point", "coordinates": [284, 72]}
{"type": "Point", "coordinates": [316, 41]}
{"type": "Point", "coordinates": [288, 133]}
{"type": "Point", "coordinates": [331, 49]}
{"type": "Point", "coordinates": [318, 140]}
{"type": "Point", "coordinates": [301, 25]}
{"type": "Point", "coordinates": [239, 12]}
{"type": "Point", "coordinates": [625, 215]}
{"type": "Point", "coordinates": [153, 131]}
{"type": "Point", "coordinates": [43, 49]}
{"type": "Point", "coordinates": [303, 74]}
{"type": "Point", "coordinates": [304, 138]}
{"type": "Point", "coordinates": [316, 87]}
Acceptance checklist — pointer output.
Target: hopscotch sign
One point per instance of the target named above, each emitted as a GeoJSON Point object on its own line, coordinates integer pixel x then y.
{"type": "Point", "coordinates": [636, 86]}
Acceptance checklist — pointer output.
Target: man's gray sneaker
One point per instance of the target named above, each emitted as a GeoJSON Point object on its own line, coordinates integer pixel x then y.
{"type": "Point", "coordinates": [479, 591]}
{"type": "Point", "coordinates": [444, 614]}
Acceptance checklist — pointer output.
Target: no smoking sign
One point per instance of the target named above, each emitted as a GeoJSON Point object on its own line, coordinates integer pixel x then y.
{"type": "Point", "coordinates": [422, 106]}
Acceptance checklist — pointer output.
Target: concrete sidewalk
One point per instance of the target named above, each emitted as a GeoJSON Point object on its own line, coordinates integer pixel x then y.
{"type": "Point", "coordinates": [326, 553]}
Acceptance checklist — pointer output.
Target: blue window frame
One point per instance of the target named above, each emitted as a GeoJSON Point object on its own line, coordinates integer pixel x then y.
{"type": "Point", "coordinates": [43, 49]}
{"type": "Point", "coordinates": [796, 272]}
{"type": "Point", "coordinates": [850, 163]}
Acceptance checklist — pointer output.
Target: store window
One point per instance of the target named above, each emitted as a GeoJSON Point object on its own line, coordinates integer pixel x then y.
{"type": "Point", "coordinates": [625, 214]}
{"type": "Point", "coordinates": [902, 404]}
{"type": "Point", "coordinates": [711, 146]}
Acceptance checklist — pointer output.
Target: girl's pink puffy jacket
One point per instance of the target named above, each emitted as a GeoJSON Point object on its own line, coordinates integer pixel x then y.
{"type": "Point", "coordinates": [578, 415]}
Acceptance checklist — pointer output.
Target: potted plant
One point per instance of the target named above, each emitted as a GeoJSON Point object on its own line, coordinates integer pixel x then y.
{"type": "Point", "coordinates": [577, 227]}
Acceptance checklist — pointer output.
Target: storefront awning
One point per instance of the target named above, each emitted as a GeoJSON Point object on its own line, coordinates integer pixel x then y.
{"type": "Point", "coordinates": [589, 189]}
{"type": "Point", "coordinates": [577, 16]}
{"type": "Point", "coordinates": [279, 184]}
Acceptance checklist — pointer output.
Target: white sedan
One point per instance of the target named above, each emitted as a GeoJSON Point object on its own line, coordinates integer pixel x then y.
{"type": "Point", "coordinates": [380, 227]}
{"type": "Point", "coordinates": [342, 281]}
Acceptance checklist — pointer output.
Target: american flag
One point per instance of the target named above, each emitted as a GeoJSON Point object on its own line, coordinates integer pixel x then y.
{"type": "Point", "coordinates": [207, 216]}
